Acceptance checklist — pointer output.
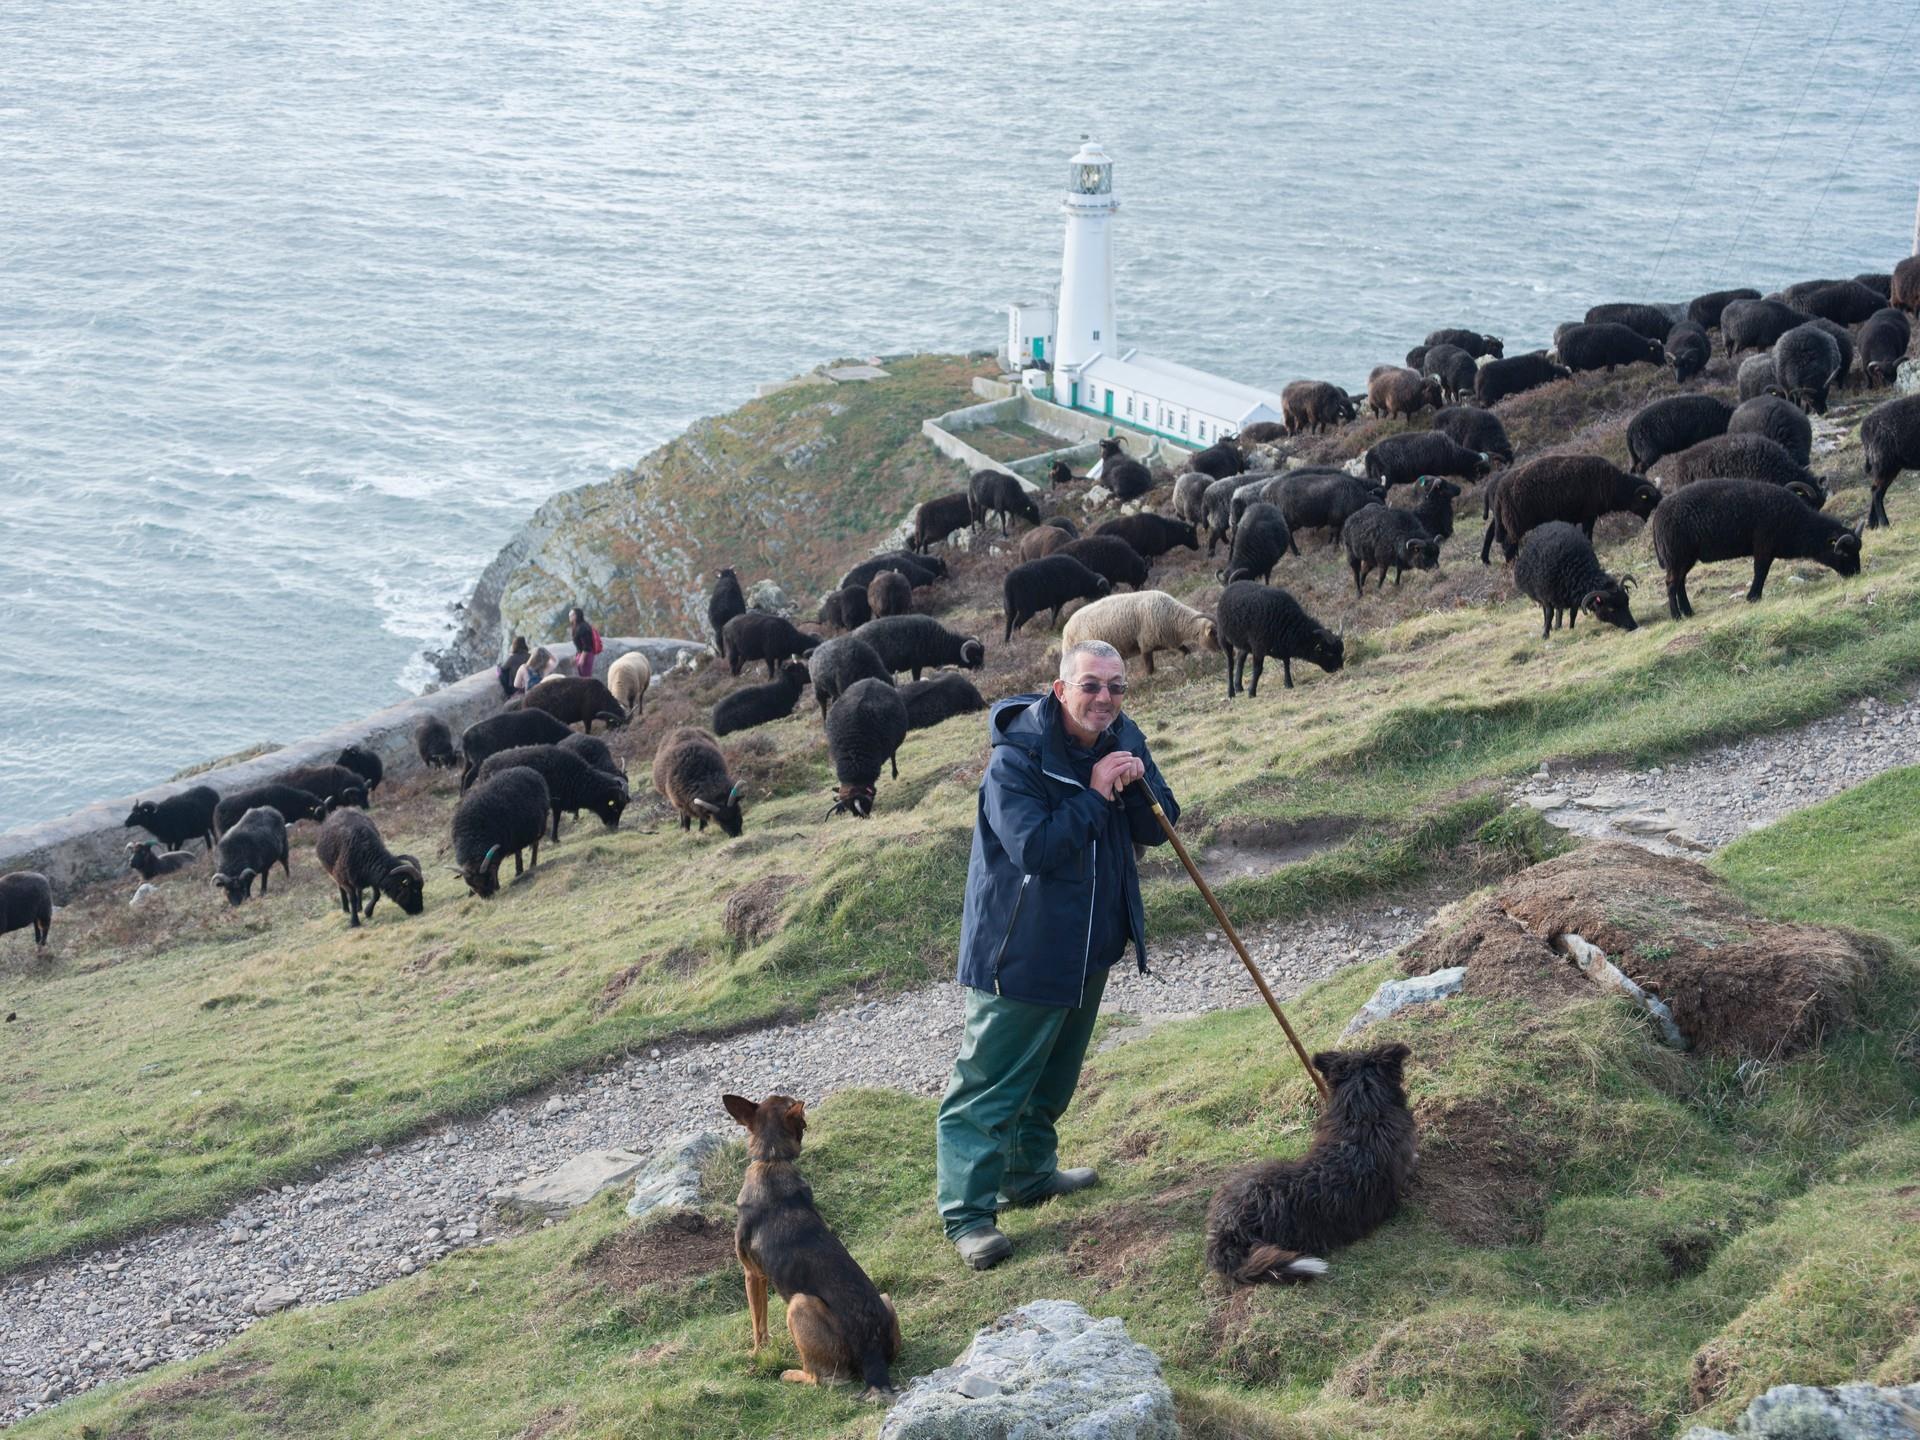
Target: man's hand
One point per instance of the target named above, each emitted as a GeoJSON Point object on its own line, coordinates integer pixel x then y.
{"type": "Point", "coordinates": [1113, 773]}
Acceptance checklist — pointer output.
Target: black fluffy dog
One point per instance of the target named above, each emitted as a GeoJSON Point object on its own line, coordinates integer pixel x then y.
{"type": "Point", "coordinates": [1272, 1220]}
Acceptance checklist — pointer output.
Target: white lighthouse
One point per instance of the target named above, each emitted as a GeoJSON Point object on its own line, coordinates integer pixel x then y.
{"type": "Point", "coordinates": [1084, 328]}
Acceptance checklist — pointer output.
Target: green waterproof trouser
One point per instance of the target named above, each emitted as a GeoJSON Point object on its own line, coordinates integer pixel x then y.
{"type": "Point", "coordinates": [1018, 1066]}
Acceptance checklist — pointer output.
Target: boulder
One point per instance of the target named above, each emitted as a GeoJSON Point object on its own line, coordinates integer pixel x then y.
{"type": "Point", "coordinates": [1823, 1412]}
{"type": "Point", "coordinates": [1398, 994]}
{"type": "Point", "coordinates": [574, 1183]}
{"type": "Point", "coordinates": [768, 596]}
{"type": "Point", "coordinates": [671, 1177]}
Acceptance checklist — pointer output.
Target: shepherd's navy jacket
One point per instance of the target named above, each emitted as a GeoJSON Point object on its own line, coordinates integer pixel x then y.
{"type": "Point", "coordinates": [1048, 853]}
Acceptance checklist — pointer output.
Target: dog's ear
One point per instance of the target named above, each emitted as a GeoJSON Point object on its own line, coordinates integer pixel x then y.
{"type": "Point", "coordinates": [797, 1118]}
{"type": "Point", "coordinates": [1325, 1061]}
{"type": "Point", "coordinates": [1395, 1054]}
{"type": "Point", "coordinates": [740, 1108]}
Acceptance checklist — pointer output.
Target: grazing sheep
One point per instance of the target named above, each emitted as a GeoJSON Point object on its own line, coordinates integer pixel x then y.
{"type": "Point", "coordinates": [1123, 477]}
{"type": "Point", "coordinates": [938, 698]}
{"type": "Point", "coordinates": [1670, 424]}
{"type": "Point", "coordinates": [593, 750]}
{"type": "Point", "coordinates": [1453, 367]}
{"type": "Point", "coordinates": [150, 864]}
{"type": "Point", "coordinates": [1878, 281]}
{"type": "Point", "coordinates": [990, 492]}
{"type": "Point", "coordinates": [1781, 421]}
{"type": "Point", "coordinates": [1053, 582]}
{"type": "Point", "coordinates": [433, 739]}
{"type": "Point", "coordinates": [1106, 555]}
{"type": "Point", "coordinates": [864, 732]}
{"type": "Point", "coordinates": [334, 783]}
{"type": "Point", "coordinates": [1472, 428]}
{"type": "Point", "coordinates": [1648, 321]}
{"type": "Point", "coordinates": [920, 642]}
{"type": "Point", "coordinates": [771, 638]}
{"type": "Point", "coordinates": [506, 812]}
{"type": "Point", "coordinates": [1755, 377]}
{"type": "Point", "coordinates": [1728, 519]}
{"type": "Point", "coordinates": [1403, 459]}
{"type": "Point", "coordinates": [1313, 406]}
{"type": "Point", "coordinates": [364, 763]}
{"type": "Point", "coordinates": [581, 700]}
{"type": "Point", "coordinates": [178, 818]}
{"type": "Point", "coordinates": [1515, 375]}
{"type": "Point", "coordinates": [691, 775]}
{"type": "Point", "coordinates": [1322, 501]}
{"type": "Point", "coordinates": [1890, 440]}
{"type": "Point", "coordinates": [1756, 324]}
{"type": "Point", "coordinates": [919, 569]}
{"type": "Point", "coordinates": [1883, 345]}
{"type": "Point", "coordinates": [1039, 541]}
{"type": "Point", "coordinates": [1433, 504]}
{"type": "Point", "coordinates": [1558, 570]}
{"type": "Point", "coordinates": [1060, 473]}
{"type": "Point", "coordinates": [1603, 346]}
{"type": "Point", "coordinates": [840, 663]}
{"type": "Point", "coordinates": [1264, 621]}
{"type": "Point", "coordinates": [573, 782]}
{"type": "Point", "coordinates": [349, 849]}
{"type": "Point", "coordinates": [1743, 457]}
{"type": "Point", "coordinates": [1394, 390]}
{"type": "Point", "coordinates": [1383, 538]}
{"type": "Point", "coordinates": [1806, 362]}
{"type": "Point", "coordinates": [250, 848]}
{"type": "Point", "coordinates": [723, 604]}
{"type": "Point", "coordinates": [939, 517]}
{"type": "Point", "coordinates": [1262, 493]}
{"type": "Point", "coordinates": [1217, 505]}
{"type": "Point", "coordinates": [1576, 488]}
{"type": "Point", "coordinates": [1141, 624]}
{"type": "Point", "coordinates": [1189, 493]}
{"type": "Point", "coordinates": [1845, 302]}
{"type": "Point", "coordinates": [1471, 341]}
{"type": "Point", "coordinates": [1261, 432]}
{"type": "Point", "coordinates": [1260, 541]}
{"type": "Point", "coordinates": [293, 803]}
{"type": "Point", "coordinates": [1904, 293]}
{"type": "Point", "coordinates": [1689, 350]}
{"type": "Point", "coordinates": [847, 609]}
{"type": "Point", "coordinates": [1150, 535]}
{"type": "Point", "coordinates": [503, 732]}
{"type": "Point", "coordinates": [1705, 310]}
{"type": "Point", "coordinates": [1843, 337]}
{"type": "Point", "coordinates": [26, 899]}
{"type": "Point", "coordinates": [627, 681]}
{"type": "Point", "coordinates": [888, 593]}
{"type": "Point", "coordinates": [762, 704]}
{"type": "Point", "coordinates": [1220, 459]}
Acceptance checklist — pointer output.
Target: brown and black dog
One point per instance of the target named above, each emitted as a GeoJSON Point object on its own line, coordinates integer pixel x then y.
{"type": "Point", "coordinates": [843, 1327]}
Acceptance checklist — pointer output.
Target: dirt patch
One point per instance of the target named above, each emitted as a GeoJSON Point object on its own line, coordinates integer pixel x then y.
{"type": "Point", "coordinates": [753, 911]}
{"type": "Point", "coordinates": [1736, 983]}
{"type": "Point", "coordinates": [1599, 1415]}
{"type": "Point", "coordinates": [682, 1245]}
{"type": "Point", "coordinates": [1482, 1177]}
{"type": "Point", "coordinates": [1110, 1247]}
{"type": "Point", "coordinates": [1245, 849]}
{"type": "Point", "coordinates": [203, 1383]}
{"type": "Point", "coordinates": [615, 990]}
{"type": "Point", "coordinates": [549, 1423]}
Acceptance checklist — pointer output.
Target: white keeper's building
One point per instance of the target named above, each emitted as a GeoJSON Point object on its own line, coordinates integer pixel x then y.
{"type": "Point", "coordinates": [1092, 371]}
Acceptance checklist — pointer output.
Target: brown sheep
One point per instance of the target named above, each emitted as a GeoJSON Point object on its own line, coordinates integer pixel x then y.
{"type": "Point", "coordinates": [1396, 390]}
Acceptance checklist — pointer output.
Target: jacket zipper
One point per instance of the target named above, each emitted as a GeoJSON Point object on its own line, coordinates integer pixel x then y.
{"type": "Point", "coordinates": [1012, 920]}
{"type": "Point", "coordinates": [1093, 895]}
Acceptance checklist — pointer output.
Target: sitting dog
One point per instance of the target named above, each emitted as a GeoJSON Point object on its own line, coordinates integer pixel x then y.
{"type": "Point", "coordinates": [842, 1326]}
{"type": "Point", "coordinates": [1271, 1221]}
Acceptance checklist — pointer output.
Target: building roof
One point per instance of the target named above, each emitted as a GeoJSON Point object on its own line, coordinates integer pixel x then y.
{"type": "Point", "coordinates": [1180, 385]}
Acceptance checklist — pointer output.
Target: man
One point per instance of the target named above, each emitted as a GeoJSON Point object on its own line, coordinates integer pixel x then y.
{"type": "Point", "coordinates": [1053, 899]}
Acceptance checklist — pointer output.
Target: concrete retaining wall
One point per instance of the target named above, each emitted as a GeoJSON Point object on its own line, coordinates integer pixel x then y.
{"type": "Point", "coordinates": [90, 844]}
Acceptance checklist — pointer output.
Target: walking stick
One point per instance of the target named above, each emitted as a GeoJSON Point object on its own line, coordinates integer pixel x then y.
{"type": "Point", "coordinates": [1260, 980]}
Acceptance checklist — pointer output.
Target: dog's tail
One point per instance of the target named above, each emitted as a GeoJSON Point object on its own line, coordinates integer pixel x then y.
{"type": "Point", "coordinates": [1271, 1264]}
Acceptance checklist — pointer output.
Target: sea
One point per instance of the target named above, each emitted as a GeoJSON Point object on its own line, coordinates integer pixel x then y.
{"type": "Point", "coordinates": [303, 308]}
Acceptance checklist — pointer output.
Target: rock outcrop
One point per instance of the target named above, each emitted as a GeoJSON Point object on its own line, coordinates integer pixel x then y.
{"type": "Point", "coordinates": [1825, 1412]}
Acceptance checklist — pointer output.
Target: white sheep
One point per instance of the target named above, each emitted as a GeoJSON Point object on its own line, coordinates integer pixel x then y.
{"type": "Point", "coordinates": [1140, 623]}
{"type": "Point", "coordinates": [628, 678]}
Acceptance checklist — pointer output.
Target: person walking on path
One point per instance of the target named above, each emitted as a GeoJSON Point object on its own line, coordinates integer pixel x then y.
{"type": "Point", "coordinates": [586, 642]}
{"type": "Point", "coordinates": [1053, 900]}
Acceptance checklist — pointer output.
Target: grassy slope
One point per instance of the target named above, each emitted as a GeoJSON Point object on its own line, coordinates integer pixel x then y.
{"type": "Point", "coordinates": [224, 1050]}
{"type": "Point", "coordinates": [1661, 1240]}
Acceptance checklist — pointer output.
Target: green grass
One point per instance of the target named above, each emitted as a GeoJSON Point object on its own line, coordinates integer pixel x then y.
{"type": "Point", "coordinates": [1639, 1252]}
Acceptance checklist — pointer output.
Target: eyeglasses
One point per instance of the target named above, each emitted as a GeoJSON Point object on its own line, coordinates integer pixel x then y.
{"type": "Point", "coordinates": [1091, 688]}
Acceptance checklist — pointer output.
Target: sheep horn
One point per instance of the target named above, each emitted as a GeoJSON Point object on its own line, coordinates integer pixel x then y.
{"type": "Point", "coordinates": [488, 858]}
{"type": "Point", "coordinates": [1860, 531]}
{"type": "Point", "coordinates": [735, 791]}
{"type": "Point", "coordinates": [708, 805]}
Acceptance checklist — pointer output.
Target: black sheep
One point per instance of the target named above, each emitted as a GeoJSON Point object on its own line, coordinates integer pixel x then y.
{"type": "Point", "coordinates": [919, 569]}
{"type": "Point", "coordinates": [691, 775]}
{"type": "Point", "coordinates": [1845, 302]}
{"type": "Point", "coordinates": [1743, 457]}
{"type": "Point", "coordinates": [1216, 506]}
{"type": "Point", "coordinates": [1261, 432]}
{"type": "Point", "coordinates": [1704, 310]}
{"type": "Point", "coordinates": [1755, 377]}
{"type": "Point", "coordinates": [594, 750]}
{"type": "Point", "coordinates": [1052, 582]}
{"type": "Point", "coordinates": [888, 593]}
{"type": "Point", "coordinates": [1603, 346]}
{"type": "Point", "coordinates": [26, 899]}
{"type": "Point", "coordinates": [760, 636]}
{"type": "Point", "coordinates": [573, 783]}
{"type": "Point", "coordinates": [1260, 540]}
{"type": "Point", "coordinates": [1315, 405]}
{"type": "Point", "coordinates": [1383, 538]}
{"type": "Point", "coordinates": [939, 517]}
{"type": "Point", "coordinates": [1756, 324]}
{"type": "Point", "coordinates": [1403, 459]}
{"type": "Point", "coordinates": [1123, 477]}
{"type": "Point", "coordinates": [1150, 535]}
{"type": "Point", "coordinates": [1878, 281]}
{"type": "Point", "coordinates": [1689, 350]}
{"type": "Point", "coordinates": [335, 784]}
{"type": "Point", "coordinates": [920, 642]}
{"type": "Point", "coordinates": [1311, 500]}
{"type": "Point", "coordinates": [1904, 291]}
{"type": "Point", "coordinates": [1728, 519]}
{"type": "Point", "coordinates": [1559, 571]}
{"type": "Point", "coordinates": [864, 731]}
{"type": "Point", "coordinates": [1417, 358]}
{"type": "Point", "coordinates": [762, 704]}
{"type": "Point", "coordinates": [364, 763]}
{"type": "Point", "coordinates": [1264, 621]}
{"type": "Point", "coordinates": [723, 604]}
{"type": "Point", "coordinates": [503, 732]}
{"type": "Point", "coordinates": [178, 818]}
{"type": "Point", "coordinates": [1452, 367]}
{"type": "Point", "coordinates": [433, 739]}
{"type": "Point", "coordinates": [1220, 459]}
{"type": "Point", "coordinates": [581, 699]}
{"type": "Point", "coordinates": [939, 698]}
{"type": "Point", "coordinates": [293, 803]}
{"type": "Point", "coordinates": [1576, 488]}
{"type": "Point", "coordinates": [993, 492]}
{"type": "Point", "coordinates": [1514, 376]}
{"type": "Point", "coordinates": [150, 864]}
{"type": "Point", "coordinates": [839, 663]}
{"type": "Point", "coordinates": [1264, 493]}
{"type": "Point", "coordinates": [1060, 473]}
{"type": "Point", "coordinates": [1670, 424]}
{"type": "Point", "coordinates": [1189, 496]}
{"type": "Point", "coordinates": [1781, 421]}
{"type": "Point", "coordinates": [1471, 341]}
{"type": "Point", "coordinates": [1433, 504]}
{"type": "Point", "coordinates": [350, 850]}
{"type": "Point", "coordinates": [1648, 321]}
{"type": "Point", "coordinates": [1806, 363]}
{"type": "Point", "coordinates": [1890, 441]}
{"type": "Point", "coordinates": [251, 847]}
{"type": "Point", "coordinates": [1883, 345]}
{"type": "Point", "coordinates": [505, 812]}
{"type": "Point", "coordinates": [1107, 556]}
{"type": "Point", "coordinates": [847, 609]}
{"type": "Point", "coordinates": [1472, 428]}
